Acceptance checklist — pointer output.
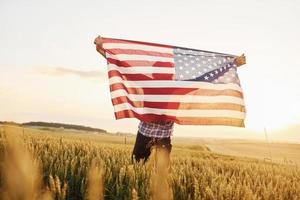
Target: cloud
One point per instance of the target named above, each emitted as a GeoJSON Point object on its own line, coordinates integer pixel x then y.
{"type": "Point", "coordinates": [62, 71]}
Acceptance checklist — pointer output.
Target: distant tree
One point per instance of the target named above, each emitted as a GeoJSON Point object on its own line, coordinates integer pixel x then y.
{"type": "Point", "coordinates": [65, 126]}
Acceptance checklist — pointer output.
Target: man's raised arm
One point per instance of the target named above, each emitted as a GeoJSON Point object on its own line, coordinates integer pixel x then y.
{"type": "Point", "coordinates": [99, 45]}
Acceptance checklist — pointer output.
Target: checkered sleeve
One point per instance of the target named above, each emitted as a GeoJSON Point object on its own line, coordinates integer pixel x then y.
{"type": "Point", "coordinates": [161, 129]}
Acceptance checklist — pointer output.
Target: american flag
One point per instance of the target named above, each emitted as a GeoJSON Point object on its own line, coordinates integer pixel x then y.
{"type": "Point", "coordinates": [154, 82]}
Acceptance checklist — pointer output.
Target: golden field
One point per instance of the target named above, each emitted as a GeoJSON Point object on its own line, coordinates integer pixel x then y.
{"type": "Point", "coordinates": [59, 164]}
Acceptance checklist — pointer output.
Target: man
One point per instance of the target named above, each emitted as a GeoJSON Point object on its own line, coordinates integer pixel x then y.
{"type": "Point", "coordinates": [153, 133]}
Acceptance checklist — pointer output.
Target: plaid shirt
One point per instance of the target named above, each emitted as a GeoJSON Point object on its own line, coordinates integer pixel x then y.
{"type": "Point", "coordinates": [160, 129]}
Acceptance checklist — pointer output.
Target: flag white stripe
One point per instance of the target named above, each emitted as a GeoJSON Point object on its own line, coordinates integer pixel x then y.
{"type": "Point", "coordinates": [142, 70]}
{"type": "Point", "coordinates": [178, 98]}
{"type": "Point", "coordinates": [137, 47]}
{"type": "Point", "coordinates": [128, 57]}
{"type": "Point", "coordinates": [181, 113]}
{"type": "Point", "coordinates": [175, 84]}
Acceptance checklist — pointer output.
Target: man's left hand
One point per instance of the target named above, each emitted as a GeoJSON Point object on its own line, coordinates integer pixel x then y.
{"type": "Point", "coordinates": [240, 60]}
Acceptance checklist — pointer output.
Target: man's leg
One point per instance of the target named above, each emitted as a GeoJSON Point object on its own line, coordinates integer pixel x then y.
{"type": "Point", "coordinates": [141, 148]}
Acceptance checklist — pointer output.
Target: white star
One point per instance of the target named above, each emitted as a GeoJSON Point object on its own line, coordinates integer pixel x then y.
{"type": "Point", "coordinates": [179, 55]}
{"type": "Point", "coordinates": [216, 72]}
{"type": "Point", "coordinates": [180, 67]}
{"type": "Point", "coordinates": [185, 58]}
{"type": "Point", "coordinates": [187, 72]}
{"type": "Point", "coordinates": [194, 76]}
{"type": "Point", "coordinates": [186, 64]}
{"type": "Point", "coordinates": [219, 62]}
{"type": "Point", "coordinates": [210, 67]}
{"type": "Point", "coordinates": [209, 59]}
{"type": "Point", "coordinates": [199, 72]}
{"type": "Point", "coordinates": [205, 69]}
{"type": "Point", "coordinates": [215, 64]}
{"type": "Point", "coordinates": [192, 61]}
{"type": "Point", "coordinates": [206, 77]}
{"type": "Point", "coordinates": [197, 58]}
{"type": "Point", "coordinates": [181, 76]}
{"type": "Point", "coordinates": [211, 74]}
{"type": "Point", "coordinates": [179, 60]}
{"type": "Point", "coordinates": [221, 69]}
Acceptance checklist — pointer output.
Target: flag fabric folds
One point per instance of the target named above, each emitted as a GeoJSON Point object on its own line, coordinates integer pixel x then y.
{"type": "Point", "coordinates": [154, 82]}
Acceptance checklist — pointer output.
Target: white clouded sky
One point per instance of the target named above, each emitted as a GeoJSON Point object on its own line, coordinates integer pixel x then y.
{"type": "Point", "coordinates": [38, 37]}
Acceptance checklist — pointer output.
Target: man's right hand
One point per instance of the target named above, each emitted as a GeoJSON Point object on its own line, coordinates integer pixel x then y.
{"type": "Point", "coordinates": [99, 45]}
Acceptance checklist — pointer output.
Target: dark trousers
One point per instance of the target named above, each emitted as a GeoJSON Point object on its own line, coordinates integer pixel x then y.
{"type": "Point", "coordinates": [143, 145]}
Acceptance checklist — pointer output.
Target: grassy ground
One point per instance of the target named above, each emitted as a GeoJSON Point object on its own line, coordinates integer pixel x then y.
{"type": "Point", "coordinates": [82, 165]}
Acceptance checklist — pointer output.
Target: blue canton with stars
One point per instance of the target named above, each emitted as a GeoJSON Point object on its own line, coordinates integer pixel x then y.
{"type": "Point", "coordinates": [196, 65]}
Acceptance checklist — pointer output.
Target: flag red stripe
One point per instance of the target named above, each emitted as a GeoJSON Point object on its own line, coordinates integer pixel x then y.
{"type": "Point", "coordinates": [181, 120]}
{"type": "Point", "coordinates": [111, 40]}
{"type": "Point", "coordinates": [143, 117]}
{"type": "Point", "coordinates": [140, 52]}
{"type": "Point", "coordinates": [140, 77]}
{"type": "Point", "coordinates": [176, 91]}
{"type": "Point", "coordinates": [226, 121]}
{"type": "Point", "coordinates": [177, 105]}
{"type": "Point", "coordinates": [137, 63]}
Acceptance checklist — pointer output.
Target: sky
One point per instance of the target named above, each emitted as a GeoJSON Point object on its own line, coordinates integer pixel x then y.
{"type": "Point", "coordinates": [50, 70]}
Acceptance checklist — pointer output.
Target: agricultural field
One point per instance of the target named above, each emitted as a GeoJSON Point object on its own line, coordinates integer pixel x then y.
{"type": "Point", "coordinates": [278, 152]}
{"type": "Point", "coordinates": [49, 163]}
